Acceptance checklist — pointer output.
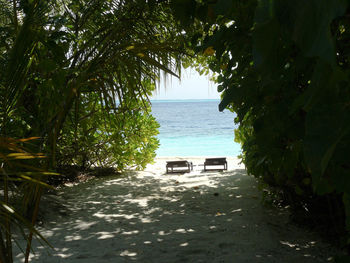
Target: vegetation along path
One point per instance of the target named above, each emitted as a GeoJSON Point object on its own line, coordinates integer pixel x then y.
{"type": "Point", "coordinates": [152, 217]}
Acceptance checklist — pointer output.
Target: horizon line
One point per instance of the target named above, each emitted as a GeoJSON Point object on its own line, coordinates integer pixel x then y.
{"type": "Point", "coordinates": [184, 99]}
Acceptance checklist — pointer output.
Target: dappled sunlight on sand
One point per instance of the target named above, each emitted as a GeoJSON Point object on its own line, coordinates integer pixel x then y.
{"type": "Point", "coordinates": [153, 217]}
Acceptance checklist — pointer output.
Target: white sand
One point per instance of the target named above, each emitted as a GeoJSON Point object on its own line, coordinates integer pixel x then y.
{"type": "Point", "coordinates": [153, 217]}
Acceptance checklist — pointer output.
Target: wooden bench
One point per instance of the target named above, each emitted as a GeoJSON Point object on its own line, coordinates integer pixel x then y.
{"type": "Point", "coordinates": [215, 162]}
{"type": "Point", "coordinates": [178, 166]}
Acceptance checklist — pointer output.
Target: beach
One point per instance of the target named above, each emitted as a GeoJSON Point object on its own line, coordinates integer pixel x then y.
{"type": "Point", "coordinates": [151, 216]}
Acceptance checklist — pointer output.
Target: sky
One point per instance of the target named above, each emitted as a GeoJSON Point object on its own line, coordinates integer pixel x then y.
{"type": "Point", "coordinates": [191, 86]}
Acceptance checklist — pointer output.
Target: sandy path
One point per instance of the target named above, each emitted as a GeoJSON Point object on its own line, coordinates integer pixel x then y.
{"type": "Point", "coordinates": [152, 217]}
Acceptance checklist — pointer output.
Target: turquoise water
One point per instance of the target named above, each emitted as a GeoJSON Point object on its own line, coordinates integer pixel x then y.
{"type": "Point", "coordinates": [194, 128]}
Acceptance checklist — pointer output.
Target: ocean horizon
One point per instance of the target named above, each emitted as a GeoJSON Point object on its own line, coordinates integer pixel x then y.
{"type": "Point", "coordinates": [184, 100]}
{"type": "Point", "coordinates": [194, 128]}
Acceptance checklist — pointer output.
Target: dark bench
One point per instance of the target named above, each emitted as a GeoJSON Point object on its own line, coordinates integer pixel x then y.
{"type": "Point", "coordinates": [178, 166]}
{"type": "Point", "coordinates": [215, 162]}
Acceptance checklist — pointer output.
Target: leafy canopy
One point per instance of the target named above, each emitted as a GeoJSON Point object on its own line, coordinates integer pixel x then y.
{"type": "Point", "coordinates": [283, 67]}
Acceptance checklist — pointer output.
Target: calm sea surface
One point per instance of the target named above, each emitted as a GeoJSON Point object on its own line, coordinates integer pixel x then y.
{"type": "Point", "coordinates": [195, 128]}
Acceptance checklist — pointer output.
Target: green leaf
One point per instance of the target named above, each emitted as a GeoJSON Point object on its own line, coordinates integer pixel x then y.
{"type": "Point", "coordinates": [267, 47]}
{"type": "Point", "coordinates": [226, 100]}
{"type": "Point", "coordinates": [184, 11]}
{"type": "Point", "coordinates": [312, 31]}
{"type": "Point", "coordinates": [47, 65]}
{"type": "Point", "coordinates": [157, 64]}
{"type": "Point", "coordinates": [326, 125]}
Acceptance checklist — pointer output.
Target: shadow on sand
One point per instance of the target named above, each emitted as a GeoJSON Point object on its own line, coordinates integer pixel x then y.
{"type": "Point", "coordinates": [195, 217]}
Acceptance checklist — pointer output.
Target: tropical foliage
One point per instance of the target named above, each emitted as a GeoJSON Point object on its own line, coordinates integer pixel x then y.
{"type": "Point", "coordinates": [22, 184]}
{"type": "Point", "coordinates": [81, 52]}
{"type": "Point", "coordinates": [124, 139]}
{"type": "Point", "coordinates": [283, 67]}
{"type": "Point", "coordinates": [77, 74]}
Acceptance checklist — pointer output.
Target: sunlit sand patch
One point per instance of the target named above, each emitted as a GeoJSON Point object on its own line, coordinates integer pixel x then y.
{"type": "Point", "coordinates": [143, 202]}
{"type": "Point", "coordinates": [64, 255]}
{"type": "Point", "coordinates": [114, 181]}
{"type": "Point", "coordinates": [134, 232]}
{"type": "Point", "coordinates": [81, 225]}
{"type": "Point", "coordinates": [163, 233]}
{"type": "Point", "coordinates": [48, 233]}
{"type": "Point", "coordinates": [181, 230]}
{"type": "Point", "coordinates": [111, 216]}
{"type": "Point", "coordinates": [73, 238]}
{"type": "Point", "coordinates": [127, 253]}
{"type": "Point", "coordinates": [93, 202]}
{"type": "Point", "coordinates": [152, 210]}
{"type": "Point", "coordinates": [288, 244]}
{"type": "Point", "coordinates": [105, 235]}
{"type": "Point", "coordinates": [147, 220]}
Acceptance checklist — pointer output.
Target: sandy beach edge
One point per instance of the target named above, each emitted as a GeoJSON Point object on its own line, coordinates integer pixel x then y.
{"type": "Point", "coordinates": [233, 163]}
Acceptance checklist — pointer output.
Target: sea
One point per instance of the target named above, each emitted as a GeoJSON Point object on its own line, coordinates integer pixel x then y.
{"type": "Point", "coordinates": [194, 128]}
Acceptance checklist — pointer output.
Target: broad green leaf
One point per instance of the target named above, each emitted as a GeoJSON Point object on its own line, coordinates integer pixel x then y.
{"type": "Point", "coordinates": [326, 125]}
{"type": "Point", "coordinates": [25, 155]}
{"type": "Point", "coordinates": [268, 49]}
{"type": "Point", "coordinates": [312, 28]}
